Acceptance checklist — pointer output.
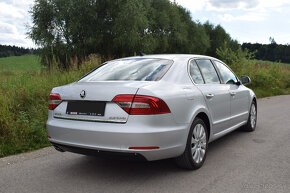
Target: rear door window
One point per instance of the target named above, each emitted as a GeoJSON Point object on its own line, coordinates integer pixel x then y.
{"type": "Point", "coordinates": [208, 71]}
{"type": "Point", "coordinates": [195, 73]}
{"type": "Point", "coordinates": [144, 69]}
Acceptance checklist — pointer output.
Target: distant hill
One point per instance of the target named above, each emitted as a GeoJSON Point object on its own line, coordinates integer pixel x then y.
{"type": "Point", "coordinates": [6, 51]}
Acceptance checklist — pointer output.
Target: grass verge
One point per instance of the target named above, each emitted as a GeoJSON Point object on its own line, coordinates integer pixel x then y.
{"type": "Point", "coordinates": [24, 106]}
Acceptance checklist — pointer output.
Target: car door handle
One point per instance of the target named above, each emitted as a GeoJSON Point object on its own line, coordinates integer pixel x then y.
{"type": "Point", "coordinates": [209, 96]}
{"type": "Point", "coordinates": [233, 93]}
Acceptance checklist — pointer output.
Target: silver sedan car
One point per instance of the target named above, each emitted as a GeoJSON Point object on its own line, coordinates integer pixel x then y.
{"type": "Point", "coordinates": [151, 107]}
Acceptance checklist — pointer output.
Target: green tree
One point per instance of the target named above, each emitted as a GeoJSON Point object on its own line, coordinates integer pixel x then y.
{"type": "Point", "coordinates": [117, 28]}
{"type": "Point", "coordinates": [129, 28]}
{"type": "Point", "coordinates": [217, 37]}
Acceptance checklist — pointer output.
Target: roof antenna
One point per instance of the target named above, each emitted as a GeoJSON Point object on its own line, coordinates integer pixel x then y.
{"type": "Point", "coordinates": [141, 54]}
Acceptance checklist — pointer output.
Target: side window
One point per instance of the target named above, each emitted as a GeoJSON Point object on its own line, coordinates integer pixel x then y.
{"type": "Point", "coordinates": [195, 73]}
{"type": "Point", "coordinates": [208, 71]}
{"type": "Point", "coordinates": [227, 75]}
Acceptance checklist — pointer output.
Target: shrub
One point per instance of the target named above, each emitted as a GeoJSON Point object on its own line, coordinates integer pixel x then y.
{"type": "Point", "coordinates": [266, 79]}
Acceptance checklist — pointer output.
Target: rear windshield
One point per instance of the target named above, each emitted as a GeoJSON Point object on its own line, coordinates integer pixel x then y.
{"type": "Point", "coordinates": [143, 69]}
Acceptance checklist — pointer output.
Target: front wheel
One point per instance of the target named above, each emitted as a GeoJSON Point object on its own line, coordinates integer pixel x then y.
{"type": "Point", "coordinates": [196, 146]}
{"type": "Point", "coordinates": [252, 120]}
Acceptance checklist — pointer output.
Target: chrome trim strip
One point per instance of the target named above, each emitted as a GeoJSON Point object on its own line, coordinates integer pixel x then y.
{"type": "Point", "coordinates": [90, 120]}
{"type": "Point", "coordinates": [232, 117]}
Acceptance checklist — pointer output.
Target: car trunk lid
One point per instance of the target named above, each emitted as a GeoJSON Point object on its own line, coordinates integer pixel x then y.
{"type": "Point", "coordinates": [92, 101]}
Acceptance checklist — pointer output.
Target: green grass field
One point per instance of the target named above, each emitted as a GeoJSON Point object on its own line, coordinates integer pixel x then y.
{"type": "Point", "coordinates": [20, 63]}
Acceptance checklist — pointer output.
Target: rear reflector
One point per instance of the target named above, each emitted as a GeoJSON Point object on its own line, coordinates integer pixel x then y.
{"type": "Point", "coordinates": [54, 101]}
{"type": "Point", "coordinates": [141, 105]}
{"type": "Point", "coordinates": [153, 147]}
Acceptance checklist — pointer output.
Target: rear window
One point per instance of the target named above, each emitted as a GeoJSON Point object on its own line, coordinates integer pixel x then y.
{"type": "Point", "coordinates": [143, 69]}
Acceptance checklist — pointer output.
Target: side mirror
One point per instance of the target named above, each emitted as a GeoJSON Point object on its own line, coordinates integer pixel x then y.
{"type": "Point", "coordinates": [245, 80]}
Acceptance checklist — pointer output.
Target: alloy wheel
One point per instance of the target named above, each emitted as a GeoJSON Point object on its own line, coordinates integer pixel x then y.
{"type": "Point", "coordinates": [198, 143]}
{"type": "Point", "coordinates": [253, 116]}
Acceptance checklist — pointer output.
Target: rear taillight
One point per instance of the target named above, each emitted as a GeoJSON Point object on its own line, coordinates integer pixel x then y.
{"type": "Point", "coordinates": [144, 148]}
{"type": "Point", "coordinates": [141, 105]}
{"type": "Point", "coordinates": [54, 101]}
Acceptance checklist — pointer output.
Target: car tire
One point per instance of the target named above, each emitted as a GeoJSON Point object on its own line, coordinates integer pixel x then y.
{"type": "Point", "coordinates": [252, 120]}
{"type": "Point", "coordinates": [196, 146]}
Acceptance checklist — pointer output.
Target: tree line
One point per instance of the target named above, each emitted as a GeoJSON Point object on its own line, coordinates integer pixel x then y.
{"type": "Point", "coordinates": [6, 51]}
{"type": "Point", "coordinates": [118, 28]}
{"type": "Point", "coordinates": [272, 52]}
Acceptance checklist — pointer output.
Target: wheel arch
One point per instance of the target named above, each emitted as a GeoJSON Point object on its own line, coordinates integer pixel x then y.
{"type": "Point", "coordinates": [252, 98]}
{"type": "Point", "coordinates": [202, 115]}
{"type": "Point", "coordinates": [255, 100]}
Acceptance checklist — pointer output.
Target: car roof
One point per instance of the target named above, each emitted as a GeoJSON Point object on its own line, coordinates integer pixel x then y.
{"type": "Point", "coordinates": [170, 56]}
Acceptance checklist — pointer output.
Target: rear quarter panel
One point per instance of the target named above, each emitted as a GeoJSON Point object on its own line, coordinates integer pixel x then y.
{"type": "Point", "coordinates": [183, 98]}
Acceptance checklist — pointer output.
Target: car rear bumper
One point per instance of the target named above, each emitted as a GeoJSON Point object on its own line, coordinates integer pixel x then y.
{"type": "Point", "coordinates": [169, 137]}
{"type": "Point", "coordinates": [99, 153]}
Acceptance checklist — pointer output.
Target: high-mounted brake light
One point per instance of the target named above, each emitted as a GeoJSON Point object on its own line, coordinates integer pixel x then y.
{"type": "Point", "coordinates": [54, 101]}
{"type": "Point", "coordinates": [141, 105]}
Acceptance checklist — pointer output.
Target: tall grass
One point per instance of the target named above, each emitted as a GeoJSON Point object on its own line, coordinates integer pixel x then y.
{"type": "Point", "coordinates": [24, 105]}
{"type": "Point", "coordinates": [268, 78]}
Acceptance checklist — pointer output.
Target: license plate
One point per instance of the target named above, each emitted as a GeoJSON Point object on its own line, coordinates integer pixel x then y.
{"type": "Point", "coordinates": [91, 108]}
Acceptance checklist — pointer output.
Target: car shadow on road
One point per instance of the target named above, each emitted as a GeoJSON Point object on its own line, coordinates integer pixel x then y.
{"type": "Point", "coordinates": [95, 168]}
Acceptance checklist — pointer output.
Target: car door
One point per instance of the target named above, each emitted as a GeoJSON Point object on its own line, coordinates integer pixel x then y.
{"type": "Point", "coordinates": [215, 94]}
{"type": "Point", "coordinates": [239, 95]}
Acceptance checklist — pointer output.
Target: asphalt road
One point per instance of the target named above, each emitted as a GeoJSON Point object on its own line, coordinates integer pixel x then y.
{"type": "Point", "coordinates": [239, 162]}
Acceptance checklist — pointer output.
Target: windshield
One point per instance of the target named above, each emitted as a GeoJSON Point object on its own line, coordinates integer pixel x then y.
{"type": "Point", "coordinates": [143, 69]}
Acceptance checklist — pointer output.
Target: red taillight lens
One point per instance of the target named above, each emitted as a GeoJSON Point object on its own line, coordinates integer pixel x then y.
{"type": "Point", "coordinates": [144, 148]}
{"type": "Point", "coordinates": [141, 105]}
{"type": "Point", "coordinates": [124, 101]}
{"type": "Point", "coordinates": [146, 105]}
{"type": "Point", "coordinates": [54, 101]}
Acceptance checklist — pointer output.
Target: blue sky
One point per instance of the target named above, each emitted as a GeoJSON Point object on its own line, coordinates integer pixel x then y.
{"type": "Point", "coordinates": [245, 20]}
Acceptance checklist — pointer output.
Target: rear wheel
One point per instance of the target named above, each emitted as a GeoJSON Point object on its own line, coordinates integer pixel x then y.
{"type": "Point", "coordinates": [252, 120]}
{"type": "Point", "coordinates": [196, 146]}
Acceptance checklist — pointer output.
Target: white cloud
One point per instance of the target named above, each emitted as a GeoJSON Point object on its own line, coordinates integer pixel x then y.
{"type": "Point", "coordinates": [217, 5]}
{"type": "Point", "coordinates": [233, 10]}
{"type": "Point", "coordinates": [272, 4]}
{"type": "Point", "coordinates": [221, 5]}
{"type": "Point", "coordinates": [224, 5]}
{"type": "Point", "coordinates": [246, 17]}
{"type": "Point", "coordinates": [9, 11]}
{"type": "Point", "coordinates": [16, 39]}
{"type": "Point", "coordinates": [14, 17]}
{"type": "Point", "coordinates": [6, 28]}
